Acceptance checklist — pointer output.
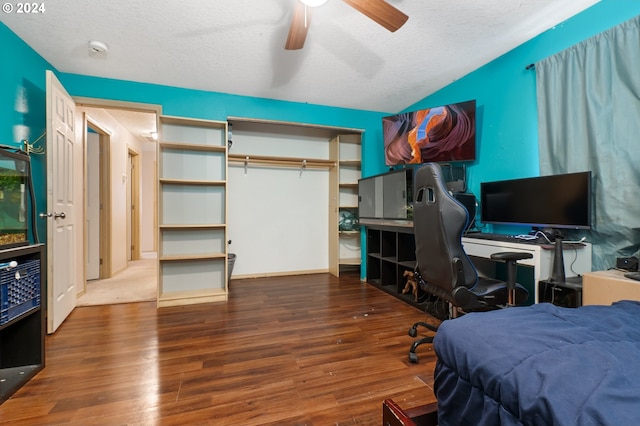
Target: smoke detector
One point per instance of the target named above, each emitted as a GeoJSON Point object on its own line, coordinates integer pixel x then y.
{"type": "Point", "coordinates": [98, 47]}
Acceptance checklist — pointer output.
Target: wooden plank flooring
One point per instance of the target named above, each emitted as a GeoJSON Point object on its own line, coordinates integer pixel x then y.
{"type": "Point", "coordinates": [297, 350]}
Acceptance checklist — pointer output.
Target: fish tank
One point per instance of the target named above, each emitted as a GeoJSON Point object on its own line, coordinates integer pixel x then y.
{"type": "Point", "coordinates": [14, 198]}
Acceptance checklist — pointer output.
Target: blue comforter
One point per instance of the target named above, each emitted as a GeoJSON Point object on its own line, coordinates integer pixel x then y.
{"type": "Point", "coordinates": [540, 365]}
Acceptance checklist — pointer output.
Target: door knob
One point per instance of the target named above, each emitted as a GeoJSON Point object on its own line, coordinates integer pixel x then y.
{"type": "Point", "coordinates": [59, 215]}
{"type": "Point", "coordinates": [45, 215]}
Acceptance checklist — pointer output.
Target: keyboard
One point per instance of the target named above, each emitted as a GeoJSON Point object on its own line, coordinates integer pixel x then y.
{"type": "Point", "coordinates": [635, 275]}
{"type": "Point", "coordinates": [502, 237]}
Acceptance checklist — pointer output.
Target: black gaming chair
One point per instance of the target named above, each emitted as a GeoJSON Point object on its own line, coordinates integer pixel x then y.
{"type": "Point", "coordinates": [442, 266]}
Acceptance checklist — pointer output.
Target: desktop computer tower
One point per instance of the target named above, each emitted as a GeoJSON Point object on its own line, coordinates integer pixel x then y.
{"type": "Point", "coordinates": [567, 294]}
{"type": "Point", "coordinates": [469, 203]}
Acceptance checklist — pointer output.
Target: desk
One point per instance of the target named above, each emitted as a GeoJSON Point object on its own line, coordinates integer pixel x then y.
{"type": "Point", "coordinates": [577, 258]}
{"type": "Point", "coordinates": [606, 287]}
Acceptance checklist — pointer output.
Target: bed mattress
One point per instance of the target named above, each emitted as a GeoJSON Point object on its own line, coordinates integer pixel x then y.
{"type": "Point", "coordinates": [540, 365]}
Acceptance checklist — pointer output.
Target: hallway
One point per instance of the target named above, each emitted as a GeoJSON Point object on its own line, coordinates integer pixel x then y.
{"type": "Point", "coordinates": [138, 283]}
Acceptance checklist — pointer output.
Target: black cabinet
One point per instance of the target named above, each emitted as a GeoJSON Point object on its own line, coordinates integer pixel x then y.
{"type": "Point", "coordinates": [566, 293]}
{"type": "Point", "coordinates": [22, 316]}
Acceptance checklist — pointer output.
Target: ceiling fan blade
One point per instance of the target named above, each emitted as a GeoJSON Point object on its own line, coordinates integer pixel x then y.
{"type": "Point", "coordinates": [299, 27]}
{"type": "Point", "coordinates": [381, 12]}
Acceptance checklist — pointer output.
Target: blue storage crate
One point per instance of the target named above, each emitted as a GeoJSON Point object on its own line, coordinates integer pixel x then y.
{"type": "Point", "coordinates": [19, 290]}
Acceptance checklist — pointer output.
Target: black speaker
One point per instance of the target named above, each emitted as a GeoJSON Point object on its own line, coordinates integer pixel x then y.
{"type": "Point", "coordinates": [469, 203]}
{"type": "Point", "coordinates": [627, 263]}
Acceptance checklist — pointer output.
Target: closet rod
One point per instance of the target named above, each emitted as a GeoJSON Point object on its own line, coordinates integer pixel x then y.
{"type": "Point", "coordinates": [297, 163]}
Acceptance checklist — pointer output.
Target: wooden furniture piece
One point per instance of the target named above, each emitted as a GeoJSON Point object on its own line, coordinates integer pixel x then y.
{"type": "Point", "coordinates": [423, 415]}
{"type": "Point", "coordinates": [391, 250]}
{"type": "Point", "coordinates": [606, 287]}
{"type": "Point", "coordinates": [22, 317]}
{"type": "Point", "coordinates": [192, 198]}
{"type": "Point", "coordinates": [344, 242]}
{"type": "Point", "coordinates": [325, 160]}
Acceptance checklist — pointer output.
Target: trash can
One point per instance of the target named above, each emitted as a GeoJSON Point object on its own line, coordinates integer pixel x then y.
{"type": "Point", "coordinates": [231, 259]}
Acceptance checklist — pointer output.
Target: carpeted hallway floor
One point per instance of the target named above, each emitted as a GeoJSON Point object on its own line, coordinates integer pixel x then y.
{"type": "Point", "coordinates": [137, 283]}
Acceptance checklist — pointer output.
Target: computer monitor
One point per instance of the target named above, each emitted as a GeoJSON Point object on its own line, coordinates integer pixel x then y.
{"type": "Point", "coordinates": [556, 201]}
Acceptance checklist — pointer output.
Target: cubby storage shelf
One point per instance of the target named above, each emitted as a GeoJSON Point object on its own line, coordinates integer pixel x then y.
{"type": "Point", "coordinates": [391, 252]}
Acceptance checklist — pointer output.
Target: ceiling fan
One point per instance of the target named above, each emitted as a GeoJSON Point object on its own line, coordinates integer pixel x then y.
{"type": "Point", "coordinates": [378, 10]}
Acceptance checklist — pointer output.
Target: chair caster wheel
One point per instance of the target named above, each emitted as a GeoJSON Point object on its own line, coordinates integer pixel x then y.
{"type": "Point", "coordinates": [413, 358]}
{"type": "Point", "coordinates": [413, 332]}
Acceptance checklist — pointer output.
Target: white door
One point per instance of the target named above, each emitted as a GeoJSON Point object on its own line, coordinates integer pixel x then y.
{"type": "Point", "coordinates": [64, 257]}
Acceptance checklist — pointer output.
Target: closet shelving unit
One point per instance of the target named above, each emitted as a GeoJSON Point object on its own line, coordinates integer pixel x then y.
{"type": "Point", "coordinates": [343, 161]}
{"type": "Point", "coordinates": [192, 196]}
{"type": "Point", "coordinates": [346, 150]}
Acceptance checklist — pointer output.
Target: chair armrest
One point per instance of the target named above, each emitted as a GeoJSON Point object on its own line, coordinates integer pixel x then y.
{"type": "Point", "coordinates": [511, 259]}
{"type": "Point", "coordinates": [506, 256]}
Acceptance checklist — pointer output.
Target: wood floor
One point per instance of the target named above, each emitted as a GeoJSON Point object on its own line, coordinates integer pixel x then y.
{"type": "Point", "coordinates": [301, 350]}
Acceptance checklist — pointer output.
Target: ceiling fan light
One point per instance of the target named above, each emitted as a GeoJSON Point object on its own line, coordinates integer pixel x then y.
{"type": "Point", "coordinates": [313, 3]}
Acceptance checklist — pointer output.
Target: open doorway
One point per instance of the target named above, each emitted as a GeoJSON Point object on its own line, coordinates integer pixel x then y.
{"type": "Point", "coordinates": [133, 209]}
{"type": "Point", "coordinates": [98, 202]}
{"type": "Point", "coordinates": [120, 163]}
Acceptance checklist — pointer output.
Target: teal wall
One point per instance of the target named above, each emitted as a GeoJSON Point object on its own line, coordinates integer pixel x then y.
{"type": "Point", "coordinates": [506, 94]}
{"type": "Point", "coordinates": [504, 90]}
{"type": "Point", "coordinates": [219, 106]}
{"type": "Point", "coordinates": [23, 106]}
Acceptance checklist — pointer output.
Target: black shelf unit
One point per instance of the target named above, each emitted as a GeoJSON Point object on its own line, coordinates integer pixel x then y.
{"type": "Point", "coordinates": [390, 252]}
{"type": "Point", "coordinates": [22, 351]}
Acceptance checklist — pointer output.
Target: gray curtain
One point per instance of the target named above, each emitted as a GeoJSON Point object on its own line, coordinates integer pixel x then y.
{"type": "Point", "coordinates": [589, 119]}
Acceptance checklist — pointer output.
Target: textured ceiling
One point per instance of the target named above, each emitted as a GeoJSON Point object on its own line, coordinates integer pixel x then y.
{"type": "Point", "coordinates": [237, 46]}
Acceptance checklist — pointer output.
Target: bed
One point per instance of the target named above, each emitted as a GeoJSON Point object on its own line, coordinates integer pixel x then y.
{"type": "Point", "coordinates": [540, 365]}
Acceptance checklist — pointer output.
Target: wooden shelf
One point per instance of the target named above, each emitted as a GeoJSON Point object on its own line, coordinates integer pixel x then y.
{"type": "Point", "coordinates": [194, 226]}
{"type": "Point", "coordinates": [184, 257]}
{"type": "Point", "coordinates": [192, 147]}
{"type": "Point", "coordinates": [192, 182]}
{"type": "Point", "coordinates": [193, 122]}
{"type": "Point", "coordinates": [345, 245]}
{"type": "Point", "coordinates": [192, 196]}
